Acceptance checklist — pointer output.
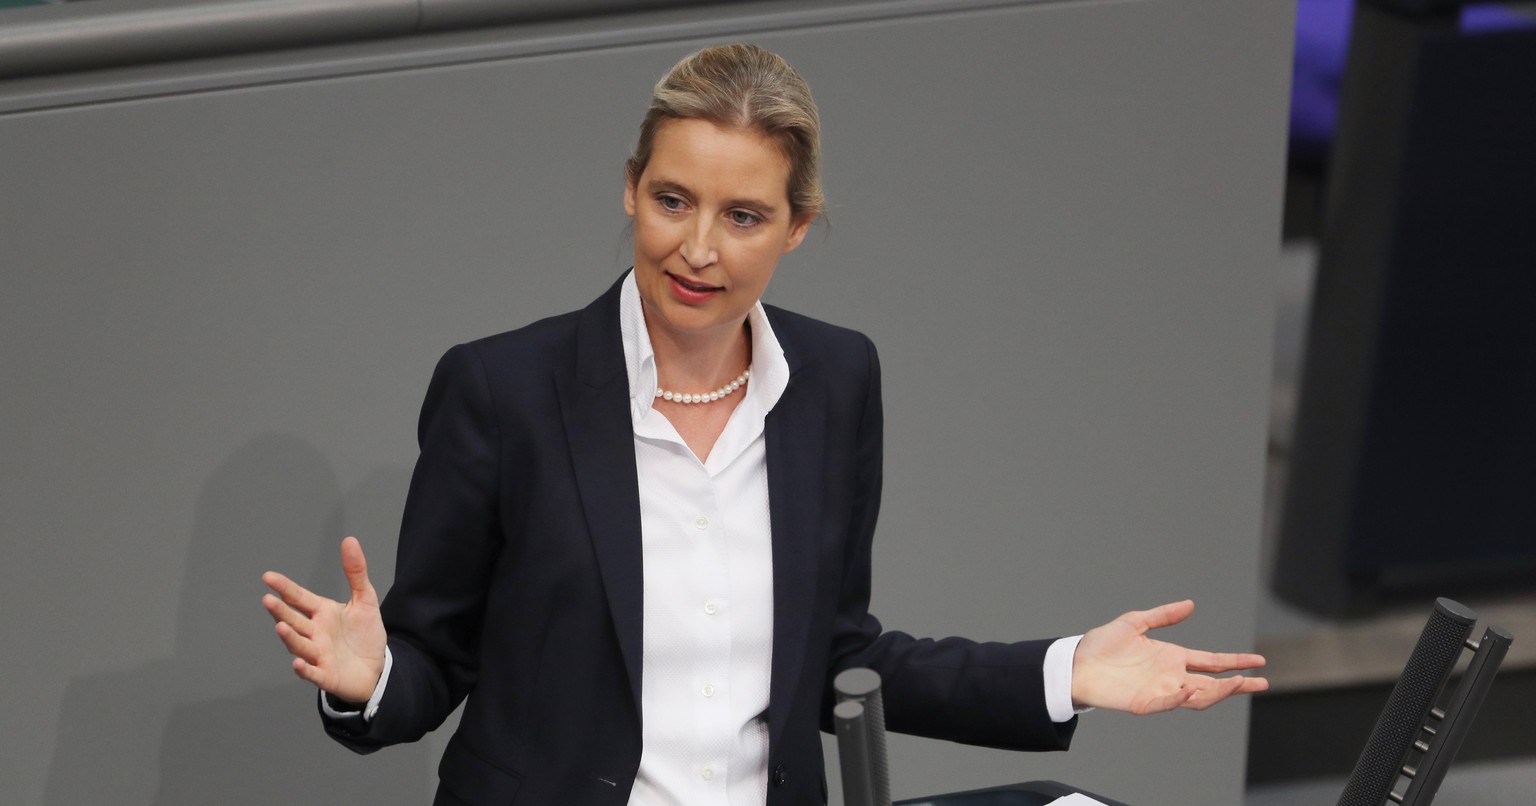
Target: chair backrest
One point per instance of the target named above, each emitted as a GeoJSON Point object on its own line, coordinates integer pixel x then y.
{"type": "Point", "coordinates": [1414, 450]}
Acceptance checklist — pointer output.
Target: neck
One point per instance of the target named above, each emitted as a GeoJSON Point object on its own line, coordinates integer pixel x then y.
{"type": "Point", "coordinates": [690, 361]}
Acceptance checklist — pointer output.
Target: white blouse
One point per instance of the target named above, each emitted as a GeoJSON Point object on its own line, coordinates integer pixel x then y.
{"type": "Point", "coordinates": [708, 635]}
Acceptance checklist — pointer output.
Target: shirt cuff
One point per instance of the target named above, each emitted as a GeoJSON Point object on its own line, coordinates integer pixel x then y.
{"type": "Point", "coordinates": [1057, 671]}
{"type": "Point", "coordinates": [378, 694]}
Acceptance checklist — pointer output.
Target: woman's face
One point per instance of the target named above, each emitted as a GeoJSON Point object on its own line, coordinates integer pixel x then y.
{"type": "Point", "coordinates": [711, 217]}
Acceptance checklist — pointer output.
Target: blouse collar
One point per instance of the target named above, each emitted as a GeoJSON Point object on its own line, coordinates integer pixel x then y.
{"type": "Point", "coordinates": [770, 370]}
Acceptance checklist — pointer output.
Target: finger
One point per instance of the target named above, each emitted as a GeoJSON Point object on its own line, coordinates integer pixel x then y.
{"type": "Point", "coordinates": [1220, 689]}
{"type": "Point", "coordinates": [1200, 661]}
{"type": "Point", "coordinates": [1253, 685]}
{"type": "Point", "coordinates": [1163, 616]}
{"type": "Point", "coordinates": [355, 566]}
{"type": "Point", "coordinates": [284, 614]}
{"type": "Point", "coordinates": [307, 671]}
{"type": "Point", "coordinates": [297, 645]}
{"type": "Point", "coordinates": [296, 595]}
{"type": "Point", "coordinates": [1167, 702]}
{"type": "Point", "coordinates": [1224, 688]}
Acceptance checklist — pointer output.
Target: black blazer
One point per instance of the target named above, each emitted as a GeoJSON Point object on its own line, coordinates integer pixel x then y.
{"type": "Point", "coordinates": [518, 582]}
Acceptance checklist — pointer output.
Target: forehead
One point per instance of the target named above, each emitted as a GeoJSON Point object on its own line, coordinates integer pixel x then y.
{"type": "Point", "coordinates": [706, 157]}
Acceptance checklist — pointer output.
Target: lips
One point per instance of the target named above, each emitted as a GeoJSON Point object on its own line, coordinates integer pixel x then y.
{"type": "Point", "coordinates": [694, 286]}
{"type": "Point", "coordinates": [691, 291]}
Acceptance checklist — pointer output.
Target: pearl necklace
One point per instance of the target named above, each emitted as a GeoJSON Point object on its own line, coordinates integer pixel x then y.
{"type": "Point", "coordinates": [707, 397]}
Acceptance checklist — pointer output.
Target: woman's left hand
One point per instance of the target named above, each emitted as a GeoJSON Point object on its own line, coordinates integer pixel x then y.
{"type": "Point", "coordinates": [1118, 667]}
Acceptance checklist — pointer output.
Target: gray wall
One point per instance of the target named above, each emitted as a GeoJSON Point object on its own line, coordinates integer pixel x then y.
{"type": "Point", "coordinates": [221, 307]}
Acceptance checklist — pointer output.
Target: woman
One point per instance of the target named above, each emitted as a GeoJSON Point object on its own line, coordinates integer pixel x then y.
{"type": "Point", "coordinates": [638, 535]}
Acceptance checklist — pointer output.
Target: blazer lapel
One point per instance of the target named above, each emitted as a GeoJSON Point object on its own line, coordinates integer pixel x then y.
{"type": "Point", "coordinates": [595, 406]}
{"type": "Point", "coordinates": [795, 441]}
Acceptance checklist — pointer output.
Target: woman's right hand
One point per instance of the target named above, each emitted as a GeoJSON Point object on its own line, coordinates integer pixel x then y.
{"type": "Point", "coordinates": [338, 647]}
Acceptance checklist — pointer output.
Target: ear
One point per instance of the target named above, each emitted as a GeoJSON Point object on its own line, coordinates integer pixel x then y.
{"type": "Point", "coordinates": [629, 199]}
{"type": "Point", "coordinates": [797, 230]}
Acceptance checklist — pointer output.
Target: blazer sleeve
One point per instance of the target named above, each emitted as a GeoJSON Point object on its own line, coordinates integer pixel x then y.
{"type": "Point", "coordinates": [449, 539]}
{"type": "Point", "coordinates": [990, 694]}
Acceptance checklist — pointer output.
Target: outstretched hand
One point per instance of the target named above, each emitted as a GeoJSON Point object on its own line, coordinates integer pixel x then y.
{"type": "Point", "coordinates": [338, 647]}
{"type": "Point", "coordinates": [1118, 667]}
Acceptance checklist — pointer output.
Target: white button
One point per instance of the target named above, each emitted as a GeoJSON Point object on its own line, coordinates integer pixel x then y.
{"type": "Point", "coordinates": [701, 522]}
{"type": "Point", "coordinates": [707, 773]}
{"type": "Point", "coordinates": [708, 690]}
{"type": "Point", "coordinates": [711, 608]}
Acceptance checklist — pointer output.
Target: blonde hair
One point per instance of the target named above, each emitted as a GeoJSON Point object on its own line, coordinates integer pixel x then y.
{"type": "Point", "coordinates": [742, 86]}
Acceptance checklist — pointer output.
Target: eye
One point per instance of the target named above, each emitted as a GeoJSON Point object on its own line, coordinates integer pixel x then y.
{"type": "Point", "coordinates": [745, 219]}
{"type": "Point", "coordinates": [671, 203]}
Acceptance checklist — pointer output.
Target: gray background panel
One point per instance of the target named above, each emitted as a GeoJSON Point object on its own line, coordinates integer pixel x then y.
{"type": "Point", "coordinates": [1058, 222]}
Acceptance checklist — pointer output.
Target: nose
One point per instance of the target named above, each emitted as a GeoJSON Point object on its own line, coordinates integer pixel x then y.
{"type": "Point", "coordinates": [698, 246]}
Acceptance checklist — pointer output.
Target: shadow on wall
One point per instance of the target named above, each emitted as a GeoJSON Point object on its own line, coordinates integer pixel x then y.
{"type": "Point", "coordinates": [224, 720]}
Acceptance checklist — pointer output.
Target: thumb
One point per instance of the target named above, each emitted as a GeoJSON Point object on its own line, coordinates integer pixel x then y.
{"type": "Point", "coordinates": [355, 566]}
{"type": "Point", "coordinates": [1161, 616]}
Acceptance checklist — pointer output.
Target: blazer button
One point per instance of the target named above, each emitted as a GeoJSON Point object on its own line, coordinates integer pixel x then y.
{"type": "Point", "coordinates": [779, 778]}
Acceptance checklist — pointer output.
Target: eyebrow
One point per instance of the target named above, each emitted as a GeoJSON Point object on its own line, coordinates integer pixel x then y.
{"type": "Point", "coordinates": [667, 186]}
